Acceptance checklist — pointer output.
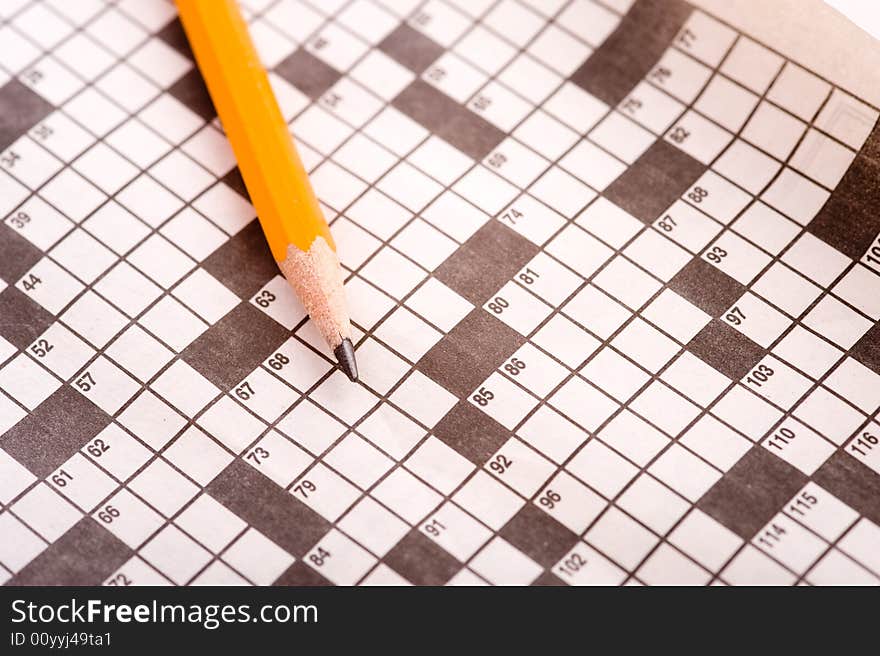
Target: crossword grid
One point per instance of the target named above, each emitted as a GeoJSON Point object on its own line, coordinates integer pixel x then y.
{"type": "Point", "coordinates": [654, 366]}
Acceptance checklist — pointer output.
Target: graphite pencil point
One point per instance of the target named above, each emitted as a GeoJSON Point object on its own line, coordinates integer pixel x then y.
{"type": "Point", "coordinates": [345, 357]}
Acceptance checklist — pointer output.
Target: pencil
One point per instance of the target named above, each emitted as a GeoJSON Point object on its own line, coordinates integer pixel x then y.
{"type": "Point", "coordinates": [295, 228]}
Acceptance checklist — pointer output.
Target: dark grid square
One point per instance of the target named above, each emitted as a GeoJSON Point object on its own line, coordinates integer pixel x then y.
{"type": "Point", "coordinates": [754, 490]}
{"type": "Point", "coordinates": [538, 535]}
{"type": "Point", "coordinates": [268, 508]}
{"type": "Point", "coordinates": [867, 349]}
{"type": "Point", "coordinates": [410, 48]}
{"type": "Point", "coordinates": [174, 35]}
{"type": "Point", "coordinates": [308, 73]}
{"type": "Point", "coordinates": [493, 255]}
{"type": "Point", "coordinates": [659, 177]}
{"type": "Point", "coordinates": [300, 575]}
{"type": "Point", "coordinates": [871, 148]}
{"type": "Point", "coordinates": [850, 219]}
{"type": "Point", "coordinates": [471, 351]}
{"type": "Point", "coordinates": [440, 114]}
{"type": "Point", "coordinates": [852, 482]}
{"type": "Point", "coordinates": [707, 287]}
{"type": "Point", "coordinates": [471, 432]}
{"type": "Point", "coordinates": [548, 579]}
{"type": "Point", "coordinates": [17, 255]}
{"type": "Point", "coordinates": [632, 50]}
{"type": "Point", "coordinates": [235, 346]}
{"type": "Point", "coordinates": [59, 427]}
{"type": "Point", "coordinates": [420, 561]}
{"type": "Point", "coordinates": [86, 555]}
{"type": "Point", "coordinates": [21, 320]}
{"type": "Point", "coordinates": [20, 110]}
{"type": "Point", "coordinates": [244, 263]}
{"type": "Point", "coordinates": [726, 349]}
{"type": "Point", "coordinates": [192, 92]}
{"type": "Point", "coordinates": [234, 180]}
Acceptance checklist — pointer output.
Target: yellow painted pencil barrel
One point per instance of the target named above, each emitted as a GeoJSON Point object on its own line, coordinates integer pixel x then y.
{"type": "Point", "coordinates": [276, 179]}
{"type": "Point", "coordinates": [272, 170]}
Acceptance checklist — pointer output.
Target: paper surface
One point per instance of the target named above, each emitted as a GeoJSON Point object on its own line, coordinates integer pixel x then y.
{"type": "Point", "coordinates": [613, 267]}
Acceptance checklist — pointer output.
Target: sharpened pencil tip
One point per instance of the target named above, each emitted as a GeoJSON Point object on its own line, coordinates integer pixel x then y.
{"type": "Point", "coordinates": [345, 357]}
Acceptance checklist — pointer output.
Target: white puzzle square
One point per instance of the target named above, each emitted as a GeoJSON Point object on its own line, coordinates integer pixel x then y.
{"type": "Point", "coordinates": [614, 374]}
{"type": "Point", "coordinates": [139, 353]}
{"type": "Point", "coordinates": [717, 197]}
{"type": "Point", "coordinates": [846, 118]}
{"type": "Point", "coordinates": [84, 484]}
{"type": "Point", "coordinates": [861, 542]}
{"type": "Point", "coordinates": [621, 137]}
{"type": "Point", "coordinates": [175, 554]}
{"type": "Point", "coordinates": [830, 416]}
{"type": "Point", "coordinates": [106, 385]}
{"type": "Point", "coordinates": [373, 526]}
{"type": "Point", "coordinates": [795, 196]}
{"type": "Point", "coordinates": [27, 382]}
{"type": "Point", "coordinates": [618, 534]}
{"type": "Point", "coordinates": [856, 383]}
{"type": "Point", "coordinates": [406, 495]}
{"type": "Point", "coordinates": [727, 103]}
{"type": "Point", "coordinates": [36, 221]}
{"type": "Point", "coordinates": [773, 131]}
{"type": "Point", "coordinates": [583, 403]}
{"type": "Point", "coordinates": [117, 452]}
{"type": "Point", "coordinates": [653, 503]}
{"type": "Point", "coordinates": [351, 561]}
{"type": "Point", "coordinates": [197, 455]}
{"type": "Point", "coordinates": [504, 401]}
{"type": "Point", "coordinates": [633, 437]}
{"type": "Point", "coordinates": [566, 341]}
{"type": "Point", "coordinates": [751, 64]}
{"type": "Point", "coordinates": [49, 285]}
{"type": "Point", "coordinates": [257, 557]}
{"type": "Point", "coordinates": [532, 219]}
{"type": "Point", "coordinates": [746, 166]}
{"type": "Point", "coordinates": [501, 563]}
{"type": "Point", "coordinates": [151, 420]}
{"type": "Point", "coordinates": [575, 107]}
{"type": "Point", "coordinates": [562, 191]}
{"type": "Point", "coordinates": [46, 512]}
{"type": "Point", "coordinates": [715, 442]}
{"type": "Point", "coordinates": [679, 75]}
{"type": "Point", "coordinates": [325, 492]}
{"type": "Point", "coordinates": [799, 91]}
{"type": "Point", "coordinates": [666, 565]}
{"type": "Point", "coordinates": [163, 487]}
{"type": "Point", "coordinates": [135, 521]}
{"type": "Point", "coordinates": [130, 215]}
{"type": "Point", "coordinates": [455, 531]}
{"type": "Point", "coordinates": [15, 478]}
{"type": "Point", "coordinates": [665, 408]}
{"type": "Point", "coordinates": [149, 200]}
{"type": "Point", "coordinates": [488, 500]}
{"type": "Point", "coordinates": [651, 108]}
{"type": "Point", "coordinates": [746, 412]}
{"type": "Point", "coordinates": [438, 465]}
{"type": "Point", "coordinates": [808, 352]}
{"type": "Point", "coordinates": [684, 472]}
{"type": "Point", "coordinates": [516, 163]}
{"type": "Point", "coordinates": [311, 427]}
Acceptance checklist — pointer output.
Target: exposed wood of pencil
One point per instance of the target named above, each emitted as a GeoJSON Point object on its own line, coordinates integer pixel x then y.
{"type": "Point", "coordinates": [316, 277]}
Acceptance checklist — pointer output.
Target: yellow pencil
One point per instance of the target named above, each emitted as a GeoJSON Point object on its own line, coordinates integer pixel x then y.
{"type": "Point", "coordinates": [276, 180]}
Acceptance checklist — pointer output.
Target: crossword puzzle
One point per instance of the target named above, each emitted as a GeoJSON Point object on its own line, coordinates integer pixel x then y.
{"type": "Point", "coordinates": [614, 275]}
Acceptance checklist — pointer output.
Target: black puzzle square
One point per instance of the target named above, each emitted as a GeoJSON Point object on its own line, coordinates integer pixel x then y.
{"type": "Point", "coordinates": [235, 346]}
